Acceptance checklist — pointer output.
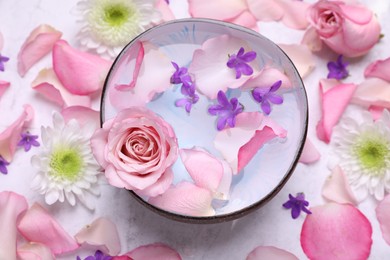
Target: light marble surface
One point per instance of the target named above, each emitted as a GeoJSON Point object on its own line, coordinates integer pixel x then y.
{"type": "Point", "coordinates": [270, 225]}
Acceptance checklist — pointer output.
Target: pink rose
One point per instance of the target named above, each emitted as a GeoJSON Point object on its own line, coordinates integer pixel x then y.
{"type": "Point", "coordinates": [136, 149]}
{"type": "Point", "coordinates": [351, 30]}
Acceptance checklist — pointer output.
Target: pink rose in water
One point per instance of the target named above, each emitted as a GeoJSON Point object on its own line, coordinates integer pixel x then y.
{"type": "Point", "coordinates": [351, 30]}
{"type": "Point", "coordinates": [136, 149]}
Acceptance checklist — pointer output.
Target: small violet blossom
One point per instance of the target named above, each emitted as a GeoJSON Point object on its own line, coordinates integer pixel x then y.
{"type": "Point", "coordinates": [226, 110]}
{"type": "Point", "coordinates": [297, 204]}
{"type": "Point", "coordinates": [338, 70]}
{"type": "Point", "coordinates": [99, 255]}
{"type": "Point", "coordinates": [2, 60]}
{"type": "Point", "coordinates": [28, 140]}
{"type": "Point", "coordinates": [190, 97]}
{"type": "Point", "coordinates": [180, 75]}
{"type": "Point", "coordinates": [3, 165]}
{"type": "Point", "coordinates": [266, 95]}
{"type": "Point", "coordinates": [239, 62]}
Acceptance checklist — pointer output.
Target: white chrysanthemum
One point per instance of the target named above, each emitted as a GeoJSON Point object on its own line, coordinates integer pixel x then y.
{"type": "Point", "coordinates": [364, 154]}
{"type": "Point", "coordinates": [66, 166]}
{"type": "Point", "coordinates": [108, 25]}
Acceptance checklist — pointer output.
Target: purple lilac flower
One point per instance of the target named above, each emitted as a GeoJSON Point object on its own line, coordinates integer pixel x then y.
{"type": "Point", "coordinates": [180, 75]}
{"type": "Point", "coordinates": [239, 62]}
{"type": "Point", "coordinates": [338, 69]}
{"type": "Point", "coordinates": [2, 60]}
{"type": "Point", "coordinates": [297, 204]}
{"type": "Point", "coordinates": [3, 165]}
{"type": "Point", "coordinates": [226, 110]}
{"type": "Point", "coordinates": [190, 97]}
{"type": "Point", "coordinates": [28, 140]}
{"type": "Point", "coordinates": [266, 95]}
{"type": "Point", "coordinates": [99, 255]}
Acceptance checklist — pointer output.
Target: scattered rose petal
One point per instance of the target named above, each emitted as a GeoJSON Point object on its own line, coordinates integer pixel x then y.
{"type": "Point", "coordinates": [245, 19]}
{"type": "Point", "coordinates": [266, 78]}
{"type": "Point", "coordinates": [11, 206]}
{"type": "Point", "coordinates": [376, 112]}
{"type": "Point", "coordinates": [335, 97]}
{"type": "Point", "coordinates": [212, 9]}
{"type": "Point", "coordinates": [154, 251]}
{"type": "Point", "coordinates": [372, 92]}
{"type": "Point", "coordinates": [301, 56]}
{"type": "Point", "coordinates": [83, 115]}
{"type": "Point", "coordinates": [39, 226]}
{"type": "Point", "coordinates": [312, 40]}
{"type": "Point", "coordinates": [34, 251]}
{"type": "Point", "coordinates": [165, 10]}
{"type": "Point", "coordinates": [309, 153]}
{"type": "Point", "coordinates": [379, 69]}
{"type": "Point", "coordinates": [270, 252]}
{"type": "Point", "coordinates": [187, 199]}
{"type": "Point", "coordinates": [81, 73]}
{"type": "Point", "coordinates": [337, 189]}
{"type": "Point", "coordinates": [383, 216]}
{"type": "Point", "coordinates": [101, 233]}
{"type": "Point", "coordinates": [38, 44]}
{"type": "Point", "coordinates": [10, 137]}
{"type": "Point", "coordinates": [336, 231]}
{"type": "Point", "coordinates": [3, 86]}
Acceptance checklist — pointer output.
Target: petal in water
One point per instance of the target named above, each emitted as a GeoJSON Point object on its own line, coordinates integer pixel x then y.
{"type": "Point", "coordinates": [4, 85]}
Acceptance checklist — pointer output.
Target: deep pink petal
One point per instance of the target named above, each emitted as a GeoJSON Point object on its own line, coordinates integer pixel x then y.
{"type": "Point", "coordinates": [80, 73]}
{"type": "Point", "coordinates": [309, 153]}
{"type": "Point", "coordinates": [379, 69]}
{"type": "Point", "coordinates": [376, 112]}
{"type": "Point", "coordinates": [102, 233]}
{"type": "Point", "coordinates": [337, 189]}
{"type": "Point", "coordinates": [336, 231]}
{"type": "Point", "coordinates": [383, 216]}
{"type": "Point", "coordinates": [216, 9]}
{"type": "Point", "coordinates": [335, 97]}
{"type": "Point", "coordinates": [301, 56]}
{"type": "Point", "coordinates": [11, 206]}
{"type": "Point", "coordinates": [270, 252]}
{"type": "Point", "coordinates": [10, 137]}
{"type": "Point", "coordinates": [373, 92]}
{"type": "Point", "coordinates": [266, 78]}
{"type": "Point", "coordinates": [34, 251]}
{"type": "Point", "coordinates": [38, 44]}
{"type": "Point", "coordinates": [165, 10]}
{"type": "Point", "coordinates": [39, 226]}
{"type": "Point", "coordinates": [83, 115]}
{"type": "Point", "coordinates": [187, 199]}
{"type": "Point", "coordinates": [154, 251]}
{"type": "Point", "coordinates": [3, 86]}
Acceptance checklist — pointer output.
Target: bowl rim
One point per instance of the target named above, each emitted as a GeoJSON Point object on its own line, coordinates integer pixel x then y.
{"type": "Point", "coordinates": [248, 209]}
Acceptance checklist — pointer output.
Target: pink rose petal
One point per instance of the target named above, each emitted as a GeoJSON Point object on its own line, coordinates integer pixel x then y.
{"type": "Point", "coordinates": [154, 251]}
{"type": "Point", "coordinates": [265, 10]}
{"type": "Point", "coordinates": [11, 206]}
{"type": "Point", "coordinates": [270, 252]}
{"type": "Point", "coordinates": [335, 97]}
{"type": "Point", "coordinates": [187, 199]}
{"type": "Point", "coordinates": [301, 56]}
{"type": "Point", "coordinates": [216, 9]}
{"type": "Point", "coordinates": [39, 226]}
{"type": "Point", "coordinates": [372, 92]}
{"type": "Point", "coordinates": [383, 216]}
{"type": "Point", "coordinates": [266, 78]}
{"type": "Point", "coordinates": [245, 19]}
{"type": "Point", "coordinates": [376, 112]}
{"type": "Point", "coordinates": [336, 231]}
{"type": "Point", "coordinates": [337, 189]}
{"type": "Point", "coordinates": [10, 137]}
{"type": "Point", "coordinates": [34, 251]}
{"type": "Point", "coordinates": [101, 233]}
{"type": "Point", "coordinates": [38, 44]}
{"type": "Point", "coordinates": [159, 187]}
{"type": "Point", "coordinates": [3, 86]}
{"type": "Point", "coordinates": [81, 73]}
{"type": "Point", "coordinates": [309, 153]}
{"type": "Point", "coordinates": [379, 69]}
{"type": "Point", "coordinates": [165, 10]}
{"type": "Point", "coordinates": [312, 40]}
{"type": "Point", "coordinates": [83, 115]}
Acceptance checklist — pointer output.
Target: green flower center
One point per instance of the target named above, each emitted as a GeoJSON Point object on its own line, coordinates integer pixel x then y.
{"type": "Point", "coordinates": [66, 164]}
{"type": "Point", "coordinates": [117, 14]}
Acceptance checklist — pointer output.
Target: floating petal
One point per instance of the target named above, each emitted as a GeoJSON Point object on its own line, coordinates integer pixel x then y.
{"type": "Point", "coordinates": [3, 86]}
{"type": "Point", "coordinates": [266, 78]}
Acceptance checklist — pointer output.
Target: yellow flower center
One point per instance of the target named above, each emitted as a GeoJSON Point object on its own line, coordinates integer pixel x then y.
{"type": "Point", "coordinates": [66, 164]}
{"type": "Point", "coordinates": [117, 14]}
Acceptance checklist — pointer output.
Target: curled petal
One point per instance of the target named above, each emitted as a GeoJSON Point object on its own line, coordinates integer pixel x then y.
{"type": "Point", "coordinates": [101, 233]}
{"type": "Point", "coordinates": [379, 69]}
{"type": "Point", "coordinates": [336, 231]}
{"type": "Point", "coordinates": [212, 9]}
{"type": "Point", "coordinates": [160, 186]}
{"type": "Point", "coordinates": [39, 226]}
{"type": "Point", "coordinates": [383, 216]}
{"type": "Point", "coordinates": [309, 154]}
{"type": "Point", "coordinates": [372, 92]}
{"type": "Point", "coordinates": [34, 251]}
{"type": "Point", "coordinates": [301, 56]}
{"type": "Point", "coordinates": [11, 206]}
{"type": "Point", "coordinates": [39, 43]}
{"type": "Point", "coordinates": [187, 199]}
{"type": "Point", "coordinates": [80, 73]}
{"type": "Point", "coordinates": [3, 87]}
{"type": "Point", "coordinates": [10, 137]}
{"type": "Point", "coordinates": [266, 78]}
{"type": "Point", "coordinates": [335, 97]}
{"type": "Point", "coordinates": [154, 251]}
{"type": "Point", "coordinates": [270, 252]}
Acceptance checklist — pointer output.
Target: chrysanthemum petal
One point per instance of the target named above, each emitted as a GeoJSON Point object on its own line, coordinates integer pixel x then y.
{"type": "Point", "coordinates": [217, 9]}
{"type": "Point", "coordinates": [39, 43]}
{"type": "Point", "coordinates": [101, 233]}
{"type": "Point", "coordinates": [3, 86]}
{"type": "Point", "coordinates": [270, 252]}
{"type": "Point", "coordinates": [379, 69]}
{"type": "Point", "coordinates": [309, 153]}
{"type": "Point", "coordinates": [301, 56]}
{"type": "Point", "coordinates": [336, 231]}
{"type": "Point", "coordinates": [39, 226]}
{"type": "Point", "coordinates": [383, 216]}
{"type": "Point", "coordinates": [154, 251]}
{"type": "Point", "coordinates": [34, 251]}
{"type": "Point", "coordinates": [11, 206]}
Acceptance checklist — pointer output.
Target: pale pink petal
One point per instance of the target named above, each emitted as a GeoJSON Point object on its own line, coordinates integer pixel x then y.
{"type": "Point", "coordinates": [101, 233]}
{"type": "Point", "coordinates": [337, 189]}
{"type": "Point", "coordinates": [81, 73]}
{"type": "Point", "coordinates": [216, 9]}
{"type": "Point", "coordinates": [34, 251]}
{"type": "Point", "coordinates": [209, 68]}
{"type": "Point", "coordinates": [335, 97]}
{"type": "Point", "coordinates": [83, 115]}
{"type": "Point", "coordinates": [312, 40]}
{"type": "Point", "coordinates": [39, 226]}
{"type": "Point", "coordinates": [187, 199]}
{"type": "Point", "coordinates": [38, 44]}
{"type": "Point", "coordinates": [336, 231]}
{"type": "Point", "coordinates": [154, 251]}
{"type": "Point", "coordinates": [383, 216]}
{"type": "Point", "coordinates": [358, 14]}
{"type": "Point", "coordinates": [309, 153]}
{"type": "Point", "coordinates": [376, 112]}
{"type": "Point", "coordinates": [270, 252]}
{"type": "Point", "coordinates": [10, 137]}
{"type": "Point", "coordinates": [266, 78]}
{"type": "Point", "coordinates": [294, 13]}
{"type": "Point", "coordinates": [47, 84]}
{"type": "Point", "coordinates": [301, 56]}
{"type": "Point", "coordinates": [245, 19]}
{"type": "Point", "coordinates": [165, 10]}
{"type": "Point", "coordinates": [3, 86]}
{"type": "Point", "coordinates": [266, 10]}
{"type": "Point", "coordinates": [159, 187]}
{"type": "Point", "coordinates": [372, 92]}
{"type": "Point", "coordinates": [155, 63]}
{"type": "Point", "coordinates": [11, 206]}
{"type": "Point", "coordinates": [379, 69]}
